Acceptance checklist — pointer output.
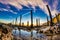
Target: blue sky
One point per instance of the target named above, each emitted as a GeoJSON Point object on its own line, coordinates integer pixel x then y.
{"type": "Point", "coordinates": [12, 9]}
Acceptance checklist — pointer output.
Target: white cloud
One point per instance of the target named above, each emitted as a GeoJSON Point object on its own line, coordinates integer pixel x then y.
{"type": "Point", "coordinates": [12, 11]}
{"type": "Point", "coordinates": [3, 9]}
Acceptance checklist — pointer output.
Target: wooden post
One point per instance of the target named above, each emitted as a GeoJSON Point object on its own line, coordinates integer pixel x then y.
{"type": "Point", "coordinates": [23, 24]}
{"type": "Point", "coordinates": [36, 22]}
{"type": "Point", "coordinates": [31, 19]}
{"type": "Point", "coordinates": [39, 22]}
{"type": "Point", "coordinates": [20, 20]}
{"type": "Point", "coordinates": [27, 23]}
{"type": "Point", "coordinates": [51, 23]}
{"type": "Point", "coordinates": [16, 22]}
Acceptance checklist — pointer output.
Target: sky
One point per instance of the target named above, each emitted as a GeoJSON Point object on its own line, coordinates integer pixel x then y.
{"type": "Point", "coordinates": [12, 9]}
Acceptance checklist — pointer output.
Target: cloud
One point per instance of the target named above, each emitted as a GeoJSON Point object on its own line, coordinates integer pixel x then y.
{"type": "Point", "coordinates": [41, 3]}
{"type": "Point", "coordinates": [3, 9]}
{"type": "Point", "coordinates": [12, 11]}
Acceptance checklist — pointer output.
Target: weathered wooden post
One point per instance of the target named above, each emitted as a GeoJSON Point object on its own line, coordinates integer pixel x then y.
{"type": "Point", "coordinates": [13, 22]}
{"type": "Point", "coordinates": [36, 22]}
{"type": "Point", "coordinates": [31, 19]}
{"type": "Point", "coordinates": [27, 23]}
{"type": "Point", "coordinates": [51, 22]}
{"type": "Point", "coordinates": [20, 20]}
{"type": "Point", "coordinates": [23, 24]}
{"type": "Point", "coordinates": [39, 21]}
{"type": "Point", "coordinates": [16, 22]}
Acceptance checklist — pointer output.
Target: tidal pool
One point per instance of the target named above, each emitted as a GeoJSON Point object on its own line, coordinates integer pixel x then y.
{"type": "Point", "coordinates": [24, 34]}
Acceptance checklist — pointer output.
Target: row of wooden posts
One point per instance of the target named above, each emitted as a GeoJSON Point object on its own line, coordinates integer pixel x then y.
{"type": "Point", "coordinates": [38, 20]}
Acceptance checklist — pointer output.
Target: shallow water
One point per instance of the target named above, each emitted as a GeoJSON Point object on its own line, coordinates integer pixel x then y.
{"type": "Point", "coordinates": [27, 34]}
